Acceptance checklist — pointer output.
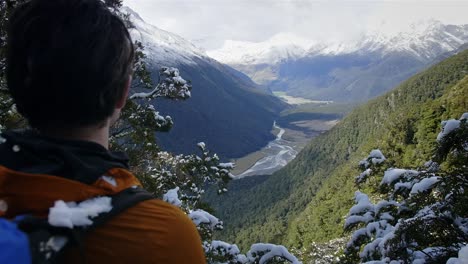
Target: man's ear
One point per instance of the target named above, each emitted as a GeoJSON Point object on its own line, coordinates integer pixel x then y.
{"type": "Point", "coordinates": [121, 102]}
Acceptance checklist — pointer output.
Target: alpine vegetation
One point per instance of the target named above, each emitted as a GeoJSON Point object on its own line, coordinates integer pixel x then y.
{"type": "Point", "coordinates": [219, 251]}
{"type": "Point", "coordinates": [414, 216]}
{"type": "Point", "coordinates": [183, 180]}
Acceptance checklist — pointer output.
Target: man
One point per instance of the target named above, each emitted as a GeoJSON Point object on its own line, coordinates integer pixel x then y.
{"type": "Point", "coordinates": [69, 67]}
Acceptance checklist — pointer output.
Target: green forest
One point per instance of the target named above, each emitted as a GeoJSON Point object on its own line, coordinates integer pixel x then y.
{"type": "Point", "coordinates": [308, 200]}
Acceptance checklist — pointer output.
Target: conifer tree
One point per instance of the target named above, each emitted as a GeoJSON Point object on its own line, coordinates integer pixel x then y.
{"type": "Point", "coordinates": [422, 214]}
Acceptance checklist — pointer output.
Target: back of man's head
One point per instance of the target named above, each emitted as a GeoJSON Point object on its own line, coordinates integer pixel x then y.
{"type": "Point", "coordinates": [68, 62]}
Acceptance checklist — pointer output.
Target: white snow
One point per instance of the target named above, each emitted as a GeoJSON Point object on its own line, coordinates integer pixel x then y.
{"type": "Point", "coordinates": [242, 258]}
{"type": "Point", "coordinates": [3, 206]}
{"type": "Point", "coordinates": [172, 197]}
{"type": "Point", "coordinates": [354, 219]}
{"type": "Point", "coordinates": [279, 47]}
{"type": "Point", "coordinates": [172, 83]}
{"type": "Point", "coordinates": [364, 163]}
{"type": "Point", "coordinates": [162, 47]}
{"type": "Point", "coordinates": [450, 125]}
{"type": "Point", "coordinates": [227, 165]}
{"type": "Point", "coordinates": [200, 216]}
{"type": "Point", "coordinates": [462, 257]}
{"type": "Point", "coordinates": [72, 214]}
{"type": "Point", "coordinates": [363, 175]}
{"type": "Point", "coordinates": [363, 204]}
{"type": "Point", "coordinates": [376, 156]}
{"type": "Point", "coordinates": [424, 39]}
{"type": "Point", "coordinates": [462, 223]}
{"type": "Point", "coordinates": [226, 247]}
{"type": "Point", "coordinates": [270, 251]}
{"type": "Point", "coordinates": [16, 148]}
{"type": "Point", "coordinates": [464, 116]}
{"type": "Point", "coordinates": [109, 179]}
{"type": "Point", "coordinates": [403, 185]}
{"type": "Point", "coordinates": [56, 243]}
{"type": "Point", "coordinates": [202, 145]}
{"type": "Point", "coordinates": [447, 127]}
{"type": "Point", "coordinates": [425, 184]}
{"type": "Point", "coordinates": [392, 175]}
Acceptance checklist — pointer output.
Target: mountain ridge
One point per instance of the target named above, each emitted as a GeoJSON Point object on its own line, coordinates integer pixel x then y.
{"type": "Point", "coordinates": [416, 40]}
{"type": "Point", "coordinates": [352, 71]}
{"type": "Point", "coordinates": [227, 110]}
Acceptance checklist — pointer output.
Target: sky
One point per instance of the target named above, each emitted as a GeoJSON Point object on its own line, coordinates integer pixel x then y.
{"type": "Point", "coordinates": [208, 23]}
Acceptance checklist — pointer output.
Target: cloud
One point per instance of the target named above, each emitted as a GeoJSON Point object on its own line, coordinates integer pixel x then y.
{"type": "Point", "coordinates": [209, 22]}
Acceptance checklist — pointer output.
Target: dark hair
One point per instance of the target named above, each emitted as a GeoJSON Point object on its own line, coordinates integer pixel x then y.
{"type": "Point", "coordinates": [68, 61]}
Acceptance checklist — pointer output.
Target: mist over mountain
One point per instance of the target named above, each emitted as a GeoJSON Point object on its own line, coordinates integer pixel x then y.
{"type": "Point", "coordinates": [343, 71]}
{"type": "Point", "coordinates": [227, 110]}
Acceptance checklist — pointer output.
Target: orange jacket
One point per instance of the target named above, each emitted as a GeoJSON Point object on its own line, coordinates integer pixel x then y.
{"type": "Point", "coordinates": [152, 231]}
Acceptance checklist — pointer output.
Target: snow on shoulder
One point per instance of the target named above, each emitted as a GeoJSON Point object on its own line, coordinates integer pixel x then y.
{"type": "Point", "coordinates": [72, 214]}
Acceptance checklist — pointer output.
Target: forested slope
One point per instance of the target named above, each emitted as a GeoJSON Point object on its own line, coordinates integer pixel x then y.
{"type": "Point", "coordinates": [407, 138]}
{"type": "Point", "coordinates": [308, 199]}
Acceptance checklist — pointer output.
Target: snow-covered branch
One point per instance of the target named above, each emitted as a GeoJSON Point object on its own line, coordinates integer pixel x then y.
{"type": "Point", "coordinates": [421, 216]}
{"type": "Point", "coordinates": [171, 85]}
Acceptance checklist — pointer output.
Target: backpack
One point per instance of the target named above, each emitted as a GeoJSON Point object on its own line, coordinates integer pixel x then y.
{"type": "Point", "coordinates": [29, 239]}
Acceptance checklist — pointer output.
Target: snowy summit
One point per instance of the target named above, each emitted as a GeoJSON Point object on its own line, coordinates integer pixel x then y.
{"type": "Point", "coordinates": [160, 46]}
{"type": "Point", "coordinates": [424, 39]}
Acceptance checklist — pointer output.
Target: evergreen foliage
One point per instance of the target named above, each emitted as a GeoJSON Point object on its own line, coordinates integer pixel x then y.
{"type": "Point", "coordinates": [8, 114]}
{"type": "Point", "coordinates": [307, 200]}
{"type": "Point", "coordinates": [423, 216]}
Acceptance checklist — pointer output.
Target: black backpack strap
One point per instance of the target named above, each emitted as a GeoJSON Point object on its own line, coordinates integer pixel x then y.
{"type": "Point", "coordinates": [120, 202]}
{"type": "Point", "coordinates": [40, 232]}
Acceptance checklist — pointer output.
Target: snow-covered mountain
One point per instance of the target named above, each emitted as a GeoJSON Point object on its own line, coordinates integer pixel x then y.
{"type": "Point", "coordinates": [425, 39]}
{"type": "Point", "coordinates": [227, 110]}
{"type": "Point", "coordinates": [279, 47]}
{"type": "Point", "coordinates": [162, 46]}
{"type": "Point", "coordinates": [343, 71]}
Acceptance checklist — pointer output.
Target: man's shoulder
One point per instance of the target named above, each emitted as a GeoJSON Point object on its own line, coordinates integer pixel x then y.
{"type": "Point", "coordinates": [151, 231]}
{"type": "Point", "coordinates": [159, 217]}
{"type": "Point", "coordinates": [155, 209]}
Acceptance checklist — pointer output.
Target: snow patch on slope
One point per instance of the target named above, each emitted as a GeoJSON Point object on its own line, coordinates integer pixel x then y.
{"type": "Point", "coordinates": [162, 47]}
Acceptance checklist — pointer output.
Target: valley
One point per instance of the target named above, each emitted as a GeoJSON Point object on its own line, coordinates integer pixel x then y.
{"type": "Point", "coordinates": [284, 148]}
{"type": "Point", "coordinates": [280, 145]}
{"type": "Point", "coordinates": [289, 141]}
